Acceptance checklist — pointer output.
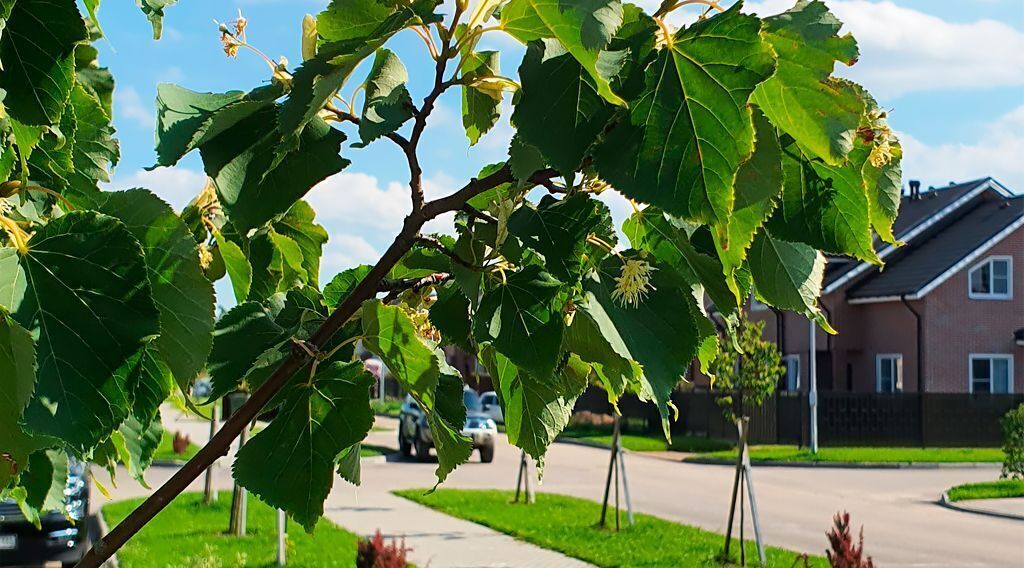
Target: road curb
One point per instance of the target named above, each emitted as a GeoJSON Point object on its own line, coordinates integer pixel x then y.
{"type": "Point", "coordinates": [953, 505]}
{"type": "Point", "coordinates": [588, 443]}
{"type": "Point", "coordinates": [849, 465]}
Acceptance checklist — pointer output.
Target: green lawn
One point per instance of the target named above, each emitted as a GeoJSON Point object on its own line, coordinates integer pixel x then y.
{"type": "Point", "coordinates": [390, 407]}
{"type": "Point", "coordinates": [645, 442]}
{"type": "Point", "coordinates": [865, 455]}
{"type": "Point", "coordinates": [165, 451]}
{"type": "Point", "coordinates": [189, 534]}
{"type": "Point", "coordinates": [568, 525]}
{"type": "Point", "coordinates": [369, 451]}
{"type": "Point", "coordinates": [988, 490]}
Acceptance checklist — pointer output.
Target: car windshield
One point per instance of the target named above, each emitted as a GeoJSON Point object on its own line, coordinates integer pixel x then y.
{"type": "Point", "coordinates": [472, 400]}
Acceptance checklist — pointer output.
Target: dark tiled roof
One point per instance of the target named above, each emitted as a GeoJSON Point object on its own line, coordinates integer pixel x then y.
{"type": "Point", "coordinates": [912, 213]}
{"type": "Point", "coordinates": [920, 263]}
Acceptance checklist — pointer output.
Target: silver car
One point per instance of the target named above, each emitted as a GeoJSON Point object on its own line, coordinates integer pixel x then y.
{"type": "Point", "coordinates": [414, 432]}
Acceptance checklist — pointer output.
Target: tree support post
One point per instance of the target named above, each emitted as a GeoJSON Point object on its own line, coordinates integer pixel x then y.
{"type": "Point", "coordinates": [625, 482]}
{"type": "Point", "coordinates": [282, 538]}
{"type": "Point", "coordinates": [209, 492]}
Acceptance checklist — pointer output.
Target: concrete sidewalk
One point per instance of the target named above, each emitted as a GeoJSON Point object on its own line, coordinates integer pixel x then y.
{"type": "Point", "coordinates": [436, 540]}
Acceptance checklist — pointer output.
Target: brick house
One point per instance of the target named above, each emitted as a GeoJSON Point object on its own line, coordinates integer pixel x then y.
{"type": "Point", "coordinates": [948, 307]}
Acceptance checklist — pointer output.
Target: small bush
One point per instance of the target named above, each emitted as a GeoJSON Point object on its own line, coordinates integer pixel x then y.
{"type": "Point", "coordinates": [373, 553]}
{"type": "Point", "coordinates": [844, 553]}
{"type": "Point", "coordinates": [180, 443]}
{"type": "Point", "coordinates": [1013, 443]}
{"type": "Point", "coordinates": [388, 407]}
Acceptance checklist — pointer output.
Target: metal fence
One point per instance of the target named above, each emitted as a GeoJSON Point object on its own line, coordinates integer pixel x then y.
{"type": "Point", "coordinates": [844, 419]}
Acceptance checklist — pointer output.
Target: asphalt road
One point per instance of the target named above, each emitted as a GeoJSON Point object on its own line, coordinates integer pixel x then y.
{"type": "Point", "coordinates": [903, 525]}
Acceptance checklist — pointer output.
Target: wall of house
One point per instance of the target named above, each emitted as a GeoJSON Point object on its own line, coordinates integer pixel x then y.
{"type": "Point", "coordinates": [958, 326]}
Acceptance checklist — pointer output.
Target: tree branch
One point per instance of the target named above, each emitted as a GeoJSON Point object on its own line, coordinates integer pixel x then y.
{"type": "Point", "coordinates": [396, 287]}
{"type": "Point", "coordinates": [395, 137]}
{"type": "Point", "coordinates": [218, 446]}
{"type": "Point", "coordinates": [478, 214]}
{"type": "Point", "coordinates": [437, 245]}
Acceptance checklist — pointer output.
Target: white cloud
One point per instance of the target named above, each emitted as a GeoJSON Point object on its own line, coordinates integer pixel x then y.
{"type": "Point", "coordinates": [345, 251]}
{"type": "Point", "coordinates": [128, 106]}
{"type": "Point", "coordinates": [904, 50]}
{"type": "Point", "coordinates": [998, 154]}
{"type": "Point", "coordinates": [176, 186]}
{"type": "Point", "coordinates": [358, 200]}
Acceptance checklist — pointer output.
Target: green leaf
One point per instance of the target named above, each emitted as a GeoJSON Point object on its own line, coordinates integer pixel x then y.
{"type": "Point", "coordinates": [690, 129]}
{"type": "Point", "coordinates": [181, 114]}
{"type": "Point", "coordinates": [652, 231]}
{"type": "Point", "coordinates": [17, 381]}
{"type": "Point", "coordinates": [788, 276]}
{"type": "Point", "coordinates": [390, 333]}
{"type": "Point", "coordinates": [820, 112]}
{"type": "Point", "coordinates": [558, 229]}
{"type": "Point", "coordinates": [95, 149]}
{"type": "Point", "coordinates": [240, 337]}
{"type": "Point", "coordinates": [96, 80]}
{"type": "Point", "coordinates": [349, 465]}
{"type": "Point", "coordinates": [37, 48]}
{"type": "Point", "coordinates": [481, 108]}
{"type": "Point", "coordinates": [524, 159]}
{"type": "Point", "coordinates": [43, 484]}
{"type": "Point", "coordinates": [252, 184]}
{"type": "Point", "coordinates": [824, 206]}
{"type": "Point", "coordinates": [343, 283]}
{"type": "Point", "coordinates": [267, 269]}
{"type": "Point", "coordinates": [150, 381]}
{"type": "Point", "coordinates": [578, 24]}
{"type": "Point", "coordinates": [388, 102]}
{"type": "Point", "coordinates": [758, 185]}
{"type": "Point", "coordinates": [536, 410]}
{"type": "Point", "coordinates": [520, 319]}
{"type": "Point", "coordinates": [450, 315]}
{"type": "Point", "coordinates": [616, 373]}
{"type": "Point", "coordinates": [154, 11]}
{"type": "Point", "coordinates": [884, 186]}
{"type": "Point", "coordinates": [353, 30]}
{"type": "Point", "coordinates": [181, 291]}
{"type": "Point", "coordinates": [299, 224]}
{"type": "Point", "coordinates": [560, 111]}
{"type": "Point", "coordinates": [663, 334]}
{"type": "Point", "coordinates": [290, 464]}
{"type": "Point", "coordinates": [141, 440]}
{"type": "Point", "coordinates": [288, 256]}
{"type": "Point", "coordinates": [83, 291]}
{"type": "Point", "coordinates": [237, 266]}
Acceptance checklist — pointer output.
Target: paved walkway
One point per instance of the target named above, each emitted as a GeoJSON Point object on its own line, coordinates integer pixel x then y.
{"type": "Point", "coordinates": [436, 540]}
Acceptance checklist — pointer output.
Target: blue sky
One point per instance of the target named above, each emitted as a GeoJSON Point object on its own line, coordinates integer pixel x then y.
{"type": "Point", "coordinates": [951, 72]}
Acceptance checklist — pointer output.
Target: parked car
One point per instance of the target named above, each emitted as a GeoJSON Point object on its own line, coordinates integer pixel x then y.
{"type": "Point", "coordinates": [63, 536]}
{"type": "Point", "coordinates": [491, 406]}
{"type": "Point", "coordinates": [414, 432]}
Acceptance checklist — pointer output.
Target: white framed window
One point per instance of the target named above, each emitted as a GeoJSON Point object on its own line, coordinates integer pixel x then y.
{"type": "Point", "coordinates": [889, 372]}
{"type": "Point", "coordinates": [991, 373]}
{"type": "Point", "coordinates": [992, 279]}
{"type": "Point", "coordinates": [792, 365]}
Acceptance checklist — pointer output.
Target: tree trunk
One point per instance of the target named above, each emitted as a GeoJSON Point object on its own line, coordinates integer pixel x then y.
{"type": "Point", "coordinates": [209, 493]}
{"type": "Point", "coordinates": [236, 527]}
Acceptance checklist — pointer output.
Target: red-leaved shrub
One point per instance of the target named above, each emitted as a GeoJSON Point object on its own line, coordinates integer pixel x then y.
{"type": "Point", "coordinates": [845, 553]}
{"type": "Point", "coordinates": [373, 553]}
{"type": "Point", "coordinates": [180, 443]}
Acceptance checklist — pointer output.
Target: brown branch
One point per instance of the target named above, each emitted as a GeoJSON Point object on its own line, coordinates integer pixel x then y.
{"type": "Point", "coordinates": [396, 287]}
{"type": "Point", "coordinates": [218, 445]}
{"type": "Point", "coordinates": [431, 242]}
{"type": "Point", "coordinates": [395, 137]}
{"type": "Point", "coordinates": [478, 214]}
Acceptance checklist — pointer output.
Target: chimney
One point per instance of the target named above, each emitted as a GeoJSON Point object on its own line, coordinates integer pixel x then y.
{"type": "Point", "coordinates": [915, 189]}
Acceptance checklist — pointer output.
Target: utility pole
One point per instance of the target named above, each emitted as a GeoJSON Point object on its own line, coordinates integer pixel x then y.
{"type": "Point", "coordinates": [812, 398]}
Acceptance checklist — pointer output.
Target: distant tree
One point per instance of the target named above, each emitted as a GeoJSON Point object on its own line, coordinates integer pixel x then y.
{"type": "Point", "coordinates": [747, 374]}
{"type": "Point", "coordinates": [1013, 443]}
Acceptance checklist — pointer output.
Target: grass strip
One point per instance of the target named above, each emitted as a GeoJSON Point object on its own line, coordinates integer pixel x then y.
{"type": "Point", "coordinates": [190, 534]}
{"type": "Point", "coordinates": [569, 525]}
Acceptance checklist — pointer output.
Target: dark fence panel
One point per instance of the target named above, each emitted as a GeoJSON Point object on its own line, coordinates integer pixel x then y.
{"type": "Point", "coordinates": [844, 419]}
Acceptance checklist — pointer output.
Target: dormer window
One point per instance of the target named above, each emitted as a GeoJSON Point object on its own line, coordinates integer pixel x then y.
{"type": "Point", "coordinates": [991, 280]}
